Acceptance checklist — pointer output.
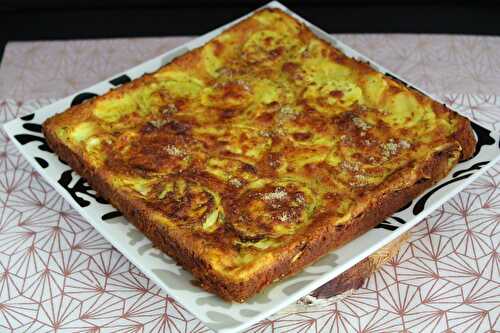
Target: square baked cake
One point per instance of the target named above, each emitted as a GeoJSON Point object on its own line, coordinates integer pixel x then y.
{"type": "Point", "coordinates": [252, 156]}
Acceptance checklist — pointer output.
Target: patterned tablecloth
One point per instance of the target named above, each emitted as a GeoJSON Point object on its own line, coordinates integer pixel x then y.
{"type": "Point", "coordinates": [57, 272]}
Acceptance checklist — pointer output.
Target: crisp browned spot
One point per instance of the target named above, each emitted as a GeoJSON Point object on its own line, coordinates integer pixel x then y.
{"type": "Point", "coordinates": [302, 136]}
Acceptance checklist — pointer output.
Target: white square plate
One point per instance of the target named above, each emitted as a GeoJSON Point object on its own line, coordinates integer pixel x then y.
{"type": "Point", "coordinates": [215, 313]}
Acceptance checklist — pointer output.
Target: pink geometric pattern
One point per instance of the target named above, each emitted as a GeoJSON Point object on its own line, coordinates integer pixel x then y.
{"type": "Point", "coordinates": [57, 272]}
{"type": "Point", "coordinates": [32, 70]}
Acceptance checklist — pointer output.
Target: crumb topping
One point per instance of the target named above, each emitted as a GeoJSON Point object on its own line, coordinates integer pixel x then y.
{"type": "Point", "coordinates": [392, 147]}
{"type": "Point", "coordinates": [350, 166]}
{"type": "Point", "coordinates": [235, 182]}
{"type": "Point", "coordinates": [360, 180]}
{"type": "Point", "coordinates": [299, 198]}
{"type": "Point", "coordinates": [404, 144]}
{"type": "Point", "coordinates": [389, 149]}
{"type": "Point", "coordinates": [361, 124]}
{"type": "Point", "coordinates": [157, 122]}
{"type": "Point", "coordinates": [277, 194]}
{"type": "Point", "coordinates": [284, 217]}
{"type": "Point", "coordinates": [169, 109]}
{"type": "Point", "coordinates": [175, 151]}
{"type": "Point", "coordinates": [287, 112]}
{"type": "Point", "coordinates": [266, 133]}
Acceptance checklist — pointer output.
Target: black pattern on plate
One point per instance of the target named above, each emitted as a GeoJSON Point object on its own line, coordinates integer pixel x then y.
{"type": "Point", "coordinates": [388, 225]}
{"type": "Point", "coordinates": [122, 79]}
{"type": "Point", "coordinates": [484, 138]}
{"type": "Point", "coordinates": [80, 187]}
{"type": "Point", "coordinates": [27, 117]}
{"type": "Point", "coordinates": [81, 97]}
{"type": "Point", "coordinates": [36, 129]}
{"type": "Point", "coordinates": [391, 224]}
{"type": "Point", "coordinates": [476, 166]}
{"type": "Point", "coordinates": [420, 205]}
{"type": "Point", "coordinates": [43, 163]}
{"type": "Point", "coordinates": [111, 215]}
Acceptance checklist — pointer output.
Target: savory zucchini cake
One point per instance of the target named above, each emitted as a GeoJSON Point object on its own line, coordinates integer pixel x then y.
{"type": "Point", "coordinates": [254, 155]}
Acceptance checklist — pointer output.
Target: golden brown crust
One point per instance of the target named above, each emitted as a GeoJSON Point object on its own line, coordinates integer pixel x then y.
{"type": "Point", "coordinates": [186, 241]}
{"type": "Point", "coordinates": [321, 239]}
